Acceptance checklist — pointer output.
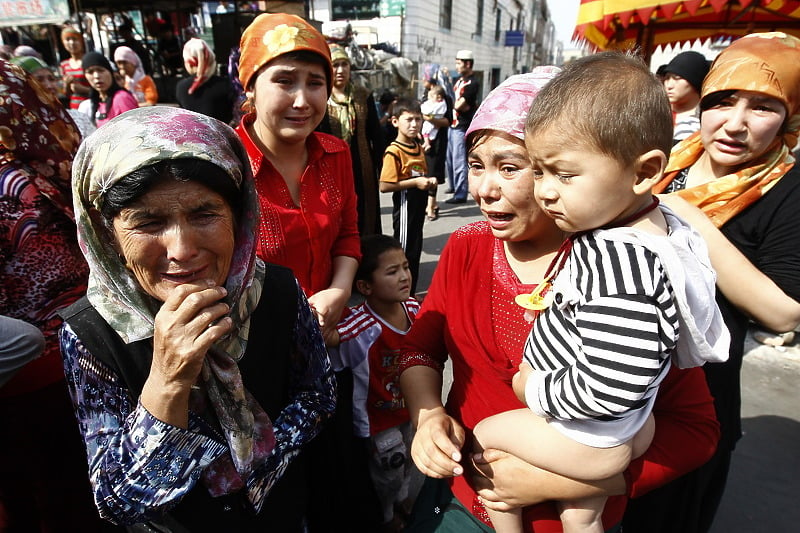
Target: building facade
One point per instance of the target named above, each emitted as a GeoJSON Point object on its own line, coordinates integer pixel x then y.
{"type": "Point", "coordinates": [507, 36]}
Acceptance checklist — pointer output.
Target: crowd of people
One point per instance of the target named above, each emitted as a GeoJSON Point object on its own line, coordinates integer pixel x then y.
{"type": "Point", "coordinates": [203, 326]}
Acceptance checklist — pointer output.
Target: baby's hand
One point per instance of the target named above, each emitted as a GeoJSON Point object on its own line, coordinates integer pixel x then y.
{"type": "Point", "coordinates": [520, 379]}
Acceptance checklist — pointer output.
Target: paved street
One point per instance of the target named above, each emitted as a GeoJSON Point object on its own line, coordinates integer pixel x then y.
{"type": "Point", "coordinates": [765, 477]}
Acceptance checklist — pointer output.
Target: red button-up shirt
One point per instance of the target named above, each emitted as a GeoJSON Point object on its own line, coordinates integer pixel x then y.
{"type": "Point", "coordinates": [307, 237]}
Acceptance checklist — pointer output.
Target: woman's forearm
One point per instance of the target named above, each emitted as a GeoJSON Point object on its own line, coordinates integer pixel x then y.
{"type": "Point", "coordinates": [422, 390]}
{"type": "Point", "coordinates": [749, 289]}
{"type": "Point", "coordinates": [344, 271]}
{"type": "Point", "coordinates": [742, 283]}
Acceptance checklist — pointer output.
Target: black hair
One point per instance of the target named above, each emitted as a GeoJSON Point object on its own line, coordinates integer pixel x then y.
{"type": "Point", "coordinates": [94, 96]}
{"type": "Point", "coordinates": [405, 105]}
{"type": "Point", "coordinates": [713, 99]}
{"type": "Point", "coordinates": [136, 184]}
{"type": "Point", "coordinates": [387, 97]}
{"type": "Point", "coordinates": [372, 247]}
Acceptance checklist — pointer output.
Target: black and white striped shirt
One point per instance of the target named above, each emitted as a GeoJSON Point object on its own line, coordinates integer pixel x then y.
{"type": "Point", "coordinates": [604, 344]}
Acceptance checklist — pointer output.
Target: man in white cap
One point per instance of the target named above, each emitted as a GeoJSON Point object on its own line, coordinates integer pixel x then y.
{"type": "Point", "coordinates": [466, 90]}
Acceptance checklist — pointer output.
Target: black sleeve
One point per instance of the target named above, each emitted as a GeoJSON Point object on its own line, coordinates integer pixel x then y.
{"type": "Point", "coordinates": [375, 134]}
{"type": "Point", "coordinates": [470, 93]}
{"type": "Point", "coordinates": [768, 233]}
{"type": "Point", "coordinates": [325, 125]}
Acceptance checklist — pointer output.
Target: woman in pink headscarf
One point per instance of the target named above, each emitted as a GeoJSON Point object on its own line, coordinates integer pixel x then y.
{"type": "Point", "coordinates": [205, 92]}
{"type": "Point", "coordinates": [470, 314]}
{"type": "Point", "coordinates": [139, 84]}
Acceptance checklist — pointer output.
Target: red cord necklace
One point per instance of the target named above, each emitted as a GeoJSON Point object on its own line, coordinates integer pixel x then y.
{"type": "Point", "coordinates": [541, 297]}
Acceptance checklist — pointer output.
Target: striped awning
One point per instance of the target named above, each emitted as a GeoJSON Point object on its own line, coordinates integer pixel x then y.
{"type": "Point", "coordinates": [624, 24]}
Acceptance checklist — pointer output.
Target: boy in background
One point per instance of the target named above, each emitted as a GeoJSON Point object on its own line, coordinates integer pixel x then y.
{"type": "Point", "coordinates": [632, 288]}
{"type": "Point", "coordinates": [368, 341]}
{"type": "Point", "coordinates": [404, 174]}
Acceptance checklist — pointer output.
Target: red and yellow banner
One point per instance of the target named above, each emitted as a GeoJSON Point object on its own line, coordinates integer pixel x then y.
{"type": "Point", "coordinates": [608, 24]}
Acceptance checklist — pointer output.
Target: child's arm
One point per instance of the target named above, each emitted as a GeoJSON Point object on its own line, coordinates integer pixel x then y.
{"type": "Point", "coordinates": [332, 338]}
{"type": "Point", "coordinates": [420, 182]}
{"type": "Point", "coordinates": [614, 366]}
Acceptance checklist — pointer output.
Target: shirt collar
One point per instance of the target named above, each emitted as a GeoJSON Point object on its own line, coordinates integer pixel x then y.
{"type": "Point", "coordinates": [317, 144]}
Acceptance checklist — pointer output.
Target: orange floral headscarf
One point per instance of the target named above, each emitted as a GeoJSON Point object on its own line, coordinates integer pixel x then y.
{"type": "Point", "coordinates": [273, 34]}
{"type": "Point", "coordinates": [761, 62]}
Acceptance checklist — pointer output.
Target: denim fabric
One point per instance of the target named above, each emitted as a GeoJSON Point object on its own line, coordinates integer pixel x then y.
{"type": "Point", "coordinates": [457, 163]}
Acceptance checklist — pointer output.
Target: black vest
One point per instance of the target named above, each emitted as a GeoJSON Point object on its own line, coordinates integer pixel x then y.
{"type": "Point", "coordinates": [265, 371]}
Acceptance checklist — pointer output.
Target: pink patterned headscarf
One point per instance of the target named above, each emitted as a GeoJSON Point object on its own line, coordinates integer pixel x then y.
{"type": "Point", "coordinates": [506, 107]}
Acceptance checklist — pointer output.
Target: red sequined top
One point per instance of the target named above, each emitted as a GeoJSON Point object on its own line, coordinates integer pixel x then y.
{"type": "Point", "coordinates": [469, 314]}
{"type": "Point", "coordinates": [307, 237]}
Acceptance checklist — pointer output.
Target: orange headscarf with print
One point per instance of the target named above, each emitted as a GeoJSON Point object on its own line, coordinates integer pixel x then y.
{"type": "Point", "coordinates": [766, 63]}
{"type": "Point", "coordinates": [273, 34]}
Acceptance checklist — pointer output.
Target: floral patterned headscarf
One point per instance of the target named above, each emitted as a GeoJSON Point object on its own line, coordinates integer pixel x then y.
{"type": "Point", "coordinates": [273, 34]}
{"type": "Point", "coordinates": [137, 139]}
{"type": "Point", "coordinates": [761, 62]}
{"type": "Point", "coordinates": [38, 134]}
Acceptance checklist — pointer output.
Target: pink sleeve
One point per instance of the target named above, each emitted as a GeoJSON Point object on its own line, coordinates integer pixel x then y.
{"type": "Point", "coordinates": [123, 101]}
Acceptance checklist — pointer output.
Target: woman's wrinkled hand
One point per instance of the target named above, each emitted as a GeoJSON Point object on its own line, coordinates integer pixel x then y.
{"type": "Point", "coordinates": [328, 306]}
{"type": "Point", "coordinates": [436, 448]}
{"type": "Point", "coordinates": [188, 323]}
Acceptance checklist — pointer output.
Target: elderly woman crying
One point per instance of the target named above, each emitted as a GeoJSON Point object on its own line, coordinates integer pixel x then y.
{"type": "Point", "coordinates": [197, 372]}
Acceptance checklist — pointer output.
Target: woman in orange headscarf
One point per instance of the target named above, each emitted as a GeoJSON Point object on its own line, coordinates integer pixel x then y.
{"type": "Point", "coordinates": [304, 179]}
{"type": "Point", "coordinates": [740, 172]}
